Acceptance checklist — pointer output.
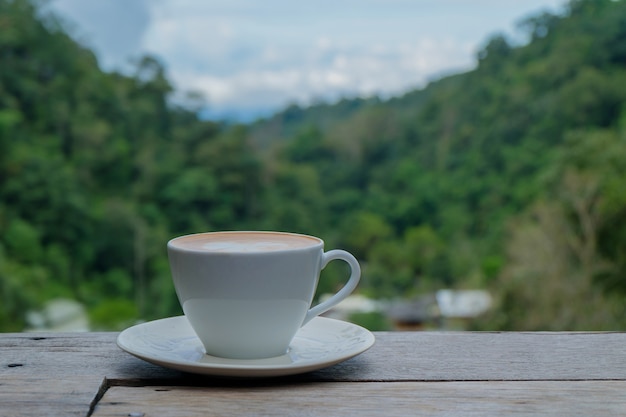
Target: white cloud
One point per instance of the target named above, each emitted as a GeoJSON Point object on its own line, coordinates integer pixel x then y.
{"type": "Point", "coordinates": [327, 69]}
{"type": "Point", "coordinates": [245, 54]}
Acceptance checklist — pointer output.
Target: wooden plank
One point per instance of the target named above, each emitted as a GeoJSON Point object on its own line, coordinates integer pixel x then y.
{"type": "Point", "coordinates": [61, 374]}
{"type": "Point", "coordinates": [429, 356]}
{"type": "Point", "coordinates": [483, 356]}
{"type": "Point", "coordinates": [45, 396]}
{"type": "Point", "coordinates": [51, 375]}
{"type": "Point", "coordinates": [67, 355]}
{"type": "Point", "coordinates": [522, 398]}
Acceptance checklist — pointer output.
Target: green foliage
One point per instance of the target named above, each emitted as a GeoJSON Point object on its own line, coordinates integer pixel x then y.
{"type": "Point", "coordinates": [113, 314]}
{"type": "Point", "coordinates": [374, 321]}
{"type": "Point", "coordinates": [508, 177]}
{"type": "Point", "coordinates": [23, 242]}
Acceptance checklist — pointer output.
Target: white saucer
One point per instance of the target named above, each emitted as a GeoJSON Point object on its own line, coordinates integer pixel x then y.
{"type": "Point", "coordinates": [172, 343]}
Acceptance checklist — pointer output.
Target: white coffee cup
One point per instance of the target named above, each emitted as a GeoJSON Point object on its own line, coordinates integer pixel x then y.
{"type": "Point", "coordinates": [246, 294]}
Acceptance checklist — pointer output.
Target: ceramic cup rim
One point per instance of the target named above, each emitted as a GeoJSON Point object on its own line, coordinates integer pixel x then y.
{"type": "Point", "coordinates": [172, 244]}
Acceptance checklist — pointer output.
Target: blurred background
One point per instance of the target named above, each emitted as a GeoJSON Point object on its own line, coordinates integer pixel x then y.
{"type": "Point", "coordinates": [472, 156]}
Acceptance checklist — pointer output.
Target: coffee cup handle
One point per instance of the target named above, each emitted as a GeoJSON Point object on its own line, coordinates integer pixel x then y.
{"type": "Point", "coordinates": [355, 276]}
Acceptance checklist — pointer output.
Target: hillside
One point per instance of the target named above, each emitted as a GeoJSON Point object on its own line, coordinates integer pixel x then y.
{"type": "Point", "coordinates": [448, 180]}
{"type": "Point", "coordinates": [508, 177]}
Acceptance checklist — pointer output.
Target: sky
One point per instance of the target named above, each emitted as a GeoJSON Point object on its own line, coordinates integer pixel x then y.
{"type": "Point", "coordinates": [250, 58]}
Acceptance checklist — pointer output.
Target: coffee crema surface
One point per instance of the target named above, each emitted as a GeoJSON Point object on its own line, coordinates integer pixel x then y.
{"type": "Point", "coordinates": [244, 242]}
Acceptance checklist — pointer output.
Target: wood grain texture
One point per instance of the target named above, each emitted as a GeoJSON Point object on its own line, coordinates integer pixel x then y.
{"type": "Point", "coordinates": [43, 396]}
{"type": "Point", "coordinates": [519, 398]}
{"type": "Point", "coordinates": [437, 356]}
{"type": "Point", "coordinates": [62, 374]}
{"type": "Point", "coordinates": [428, 356]}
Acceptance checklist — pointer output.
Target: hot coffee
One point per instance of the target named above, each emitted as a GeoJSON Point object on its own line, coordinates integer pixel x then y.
{"type": "Point", "coordinates": [244, 242]}
{"type": "Point", "coordinates": [246, 294]}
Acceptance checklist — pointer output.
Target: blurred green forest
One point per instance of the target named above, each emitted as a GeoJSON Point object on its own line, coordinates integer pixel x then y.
{"type": "Point", "coordinates": [509, 177]}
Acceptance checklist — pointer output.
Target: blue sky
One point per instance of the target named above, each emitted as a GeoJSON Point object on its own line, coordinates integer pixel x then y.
{"type": "Point", "coordinates": [250, 57]}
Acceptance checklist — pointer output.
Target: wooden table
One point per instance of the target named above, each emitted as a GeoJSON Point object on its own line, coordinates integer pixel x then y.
{"type": "Point", "coordinates": [426, 374]}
